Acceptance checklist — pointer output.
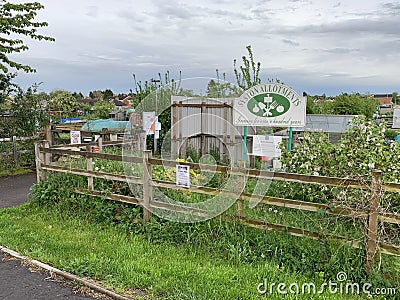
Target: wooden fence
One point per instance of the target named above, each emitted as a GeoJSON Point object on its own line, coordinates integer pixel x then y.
{"type": "Point", "coordinates": [15, 151]}
{"type": "Point", "coordinates": [372, 214]}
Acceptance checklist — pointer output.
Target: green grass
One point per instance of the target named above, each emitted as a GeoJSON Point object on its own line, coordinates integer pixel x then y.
{"type": "Point", "coordinates": [15, 171]}
{"type": "Point", "coordinates": [166, 260]}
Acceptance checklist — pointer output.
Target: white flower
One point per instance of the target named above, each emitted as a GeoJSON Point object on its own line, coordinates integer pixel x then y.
{"type": "Point", "coordinates": [371, 165]}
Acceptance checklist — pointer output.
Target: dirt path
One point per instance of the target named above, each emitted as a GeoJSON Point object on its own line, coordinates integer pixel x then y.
{"type": "Point", "coordinates": [18, 282]}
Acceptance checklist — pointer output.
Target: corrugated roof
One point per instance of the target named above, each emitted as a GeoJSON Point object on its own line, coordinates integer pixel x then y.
{"type": "Point", "coordinates": [327, 123]}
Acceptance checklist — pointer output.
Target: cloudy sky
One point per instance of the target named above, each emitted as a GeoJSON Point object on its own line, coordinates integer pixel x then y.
{"type": "Point", "coordinates": [317, 46]}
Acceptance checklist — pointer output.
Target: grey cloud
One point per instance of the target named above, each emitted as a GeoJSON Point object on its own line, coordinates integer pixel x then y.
{"type": "Point", "coordinates": [341, 50]}
{"type": "Point", "coordinates": [392, 6]}
{"type": "Point", "coordinates": [382, 26]}
{"type": "Point", "coordinates": [290, 42]}
{"type": "Point", "coordinates": [174, 10]}
{"type": "Point", "coordinates": [92, 11]}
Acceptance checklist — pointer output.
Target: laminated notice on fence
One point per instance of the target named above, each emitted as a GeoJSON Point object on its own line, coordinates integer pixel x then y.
{"type": "Point", "coordinates": [75, 137]}
{"type": "Point", "coordinates": [183, 176]}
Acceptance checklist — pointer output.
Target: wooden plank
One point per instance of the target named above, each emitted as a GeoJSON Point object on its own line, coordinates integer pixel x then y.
{"type": "Point", "coordinates": [295, 231]}
{"type": "Point", "coordinates": [109, 196]}
{"type": "Point", "coordinates": [389, 218]}
{"type": "Point", "coordinates": [200, 105]}
{"type": "Point", "coordinates": [391, 187]}
{"type": "Point", "coordinates": [19, 152]}
{"type": "Point", "coordinates": [102, 175]}
{"type": "Point", "coordinates": [389, 249]}
{"type": "Point", "coordinates": [194, 166]}
{"type": "Point", "coordinates": [301, 178]}
{"type": "Point", "coordinates": [136, 201]}
{"type": "Point", "coordinates": [306, 206]}
{"type": "Point", "coordinates": [20, 139]}
{"type": "Point", "coordinates": [113, 157]}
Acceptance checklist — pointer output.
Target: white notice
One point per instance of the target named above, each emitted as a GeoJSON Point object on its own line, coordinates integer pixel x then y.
{"type": "Point", "coordinates": [75, 137]}
{"type": "Point", "coordinates": [183, 176]}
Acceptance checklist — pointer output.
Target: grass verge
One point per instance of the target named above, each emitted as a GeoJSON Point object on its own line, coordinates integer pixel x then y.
{"type": "Point", "coordinates": [15, 171]}
{"type": "Point", "coordinates": [126, 261]}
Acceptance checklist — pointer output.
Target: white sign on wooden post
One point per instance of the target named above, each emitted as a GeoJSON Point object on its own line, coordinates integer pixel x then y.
{"type": "Point", "coordinates": [183, 176]}
{"type": "Point", "coordinates": [75, 137]}
{"type": "Point", "coordinates": [149, 117]}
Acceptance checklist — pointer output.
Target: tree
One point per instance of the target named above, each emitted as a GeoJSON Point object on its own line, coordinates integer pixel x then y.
{"type": "Point", "coordinates": [107, 94]}
{"type": "Point", "coordinates": [354, 104]}
{"type": "Point", "coordinates": [102, 108]}
{"type": "Point", "coordinates": [395, 95]}
{"type": "Point", "coordinates": [77, 95]}
{"type": "Point", "coordinates": [248, 74]}
{"type": "Point", "coordinates": [62, 101]}
{"type": "Point", "coordinates": [17, 20]}
{"type": "Point", "coordinates": [96, 94]}
{"type": "Point", "coordinates": [221, 89]}
{"type": "Point", "coordinates": [27, 115]}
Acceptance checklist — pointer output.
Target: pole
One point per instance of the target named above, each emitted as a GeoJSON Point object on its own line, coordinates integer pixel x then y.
{"type": "Point", "coordinates": [290, 139]}
{"type": "Point", "coordinates": [156, 118]}
{"type": "Point", "coordinates": [245, 145]}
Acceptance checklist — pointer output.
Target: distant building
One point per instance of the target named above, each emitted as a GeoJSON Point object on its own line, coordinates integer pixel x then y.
{"type": "Point", "coordinates": [383, 98]}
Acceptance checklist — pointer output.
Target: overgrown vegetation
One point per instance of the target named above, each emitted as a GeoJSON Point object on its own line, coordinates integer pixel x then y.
{"type": "Point", "coordinates": [232, 245]}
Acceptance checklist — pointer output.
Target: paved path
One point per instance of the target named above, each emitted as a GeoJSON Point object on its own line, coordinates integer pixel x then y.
{"type": "Point", "coordinates": [17, 282]}
{"type": "Point", "coordinates": [14, 189]}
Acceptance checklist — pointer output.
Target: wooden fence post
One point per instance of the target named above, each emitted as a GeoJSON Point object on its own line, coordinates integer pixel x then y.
{"type": "Point", "coordinates": [48, 135]}
{"type": "Point", "coordinates": [15, 150]}
{"type": "Point", "coordinates": [372, 231]}
{"type": "Point", "coordinates": [89, 166]}
{"type": "Point", "coordinates": [100, 143]}
{"type": "Point", "coordinates": [38, 160]}
{"type": "Point", "coordinates": [240, 201]}
{"type": "Point", "coordinates": [175, 131]}
{"type": "Point", "coordinates": [147, 188]}
{"type": "Point", "coordinates": [47, 156]}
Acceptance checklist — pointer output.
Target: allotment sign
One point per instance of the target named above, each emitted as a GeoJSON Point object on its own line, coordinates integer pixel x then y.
{"type": "Point", "coordinates": [270, 104]}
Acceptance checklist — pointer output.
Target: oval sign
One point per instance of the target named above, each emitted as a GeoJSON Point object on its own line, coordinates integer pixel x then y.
{"type": "Point", "coordinates": [268, 105]}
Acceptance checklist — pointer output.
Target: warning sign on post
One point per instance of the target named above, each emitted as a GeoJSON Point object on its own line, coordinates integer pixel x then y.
{"type": "Point", "coordinates": [75, 137]}
{"type": "Point", "coordinates": [183, 176]}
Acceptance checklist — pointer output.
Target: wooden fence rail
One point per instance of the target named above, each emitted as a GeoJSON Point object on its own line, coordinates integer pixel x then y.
{"type": "Point", "coordinates": [372, 214]}
{"type": "Point", "coordinates": [15, 151]}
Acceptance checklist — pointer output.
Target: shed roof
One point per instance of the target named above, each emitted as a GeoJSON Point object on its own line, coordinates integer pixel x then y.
{"type": "Point", "coordinates": [327, 123]}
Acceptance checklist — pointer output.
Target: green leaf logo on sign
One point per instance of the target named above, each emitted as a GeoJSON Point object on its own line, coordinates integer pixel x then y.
{"type": "Point", "coordinates": [268, 105]}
